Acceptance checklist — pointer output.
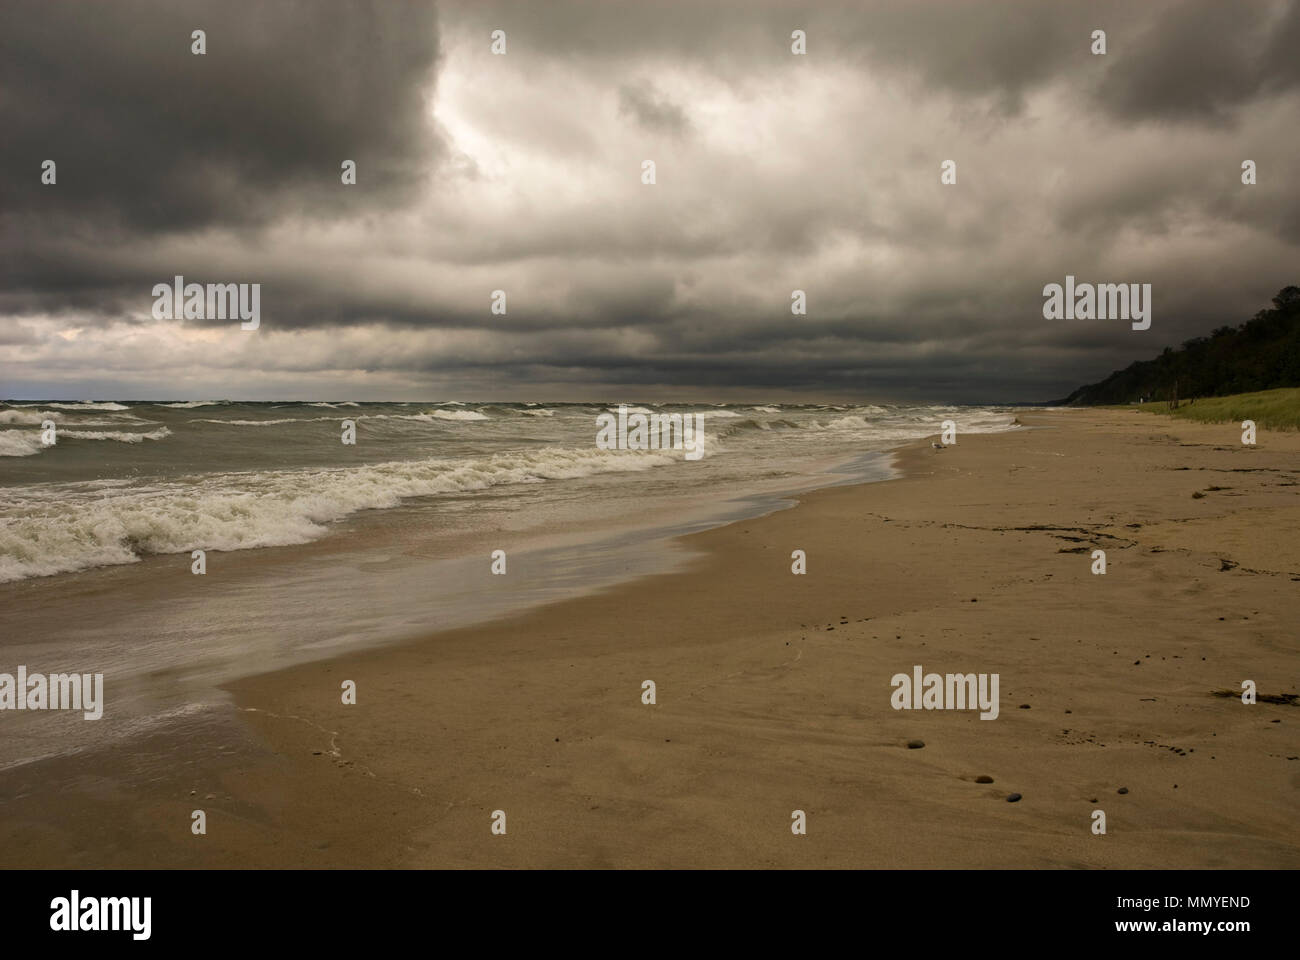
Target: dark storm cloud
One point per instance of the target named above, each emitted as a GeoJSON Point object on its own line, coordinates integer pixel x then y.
{"type": "Point", "coordinates": [149, 137]}
{"type": "Point", "coordinates": [775, 172]}
{"type": "Point", "coordinates": [650, 109]}
{"type": "Point", "coordinates": [1203, 60]}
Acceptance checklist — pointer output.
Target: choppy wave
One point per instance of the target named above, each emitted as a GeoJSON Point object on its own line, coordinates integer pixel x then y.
{"type": "Point", "coordinates": [20, 443]}
{"type": "Point", "coordinates": [29, 417]}
{"type": "Point", "coordinates": [25, 443]}
{"type": "Point", "coordinates": [88, 406]}
{"type": "Point", "coordinates": [122, 436]}
{"type": "Point", "coordinates": [35, 416]}
{"type": "Point", "coordinates": [850, 422]}
{"type": "Point", "coordinates": [81, 509]}
{"type": "Point", "coordinates": [455, 415]}
{"type": "Point", "coordinates": [432, 415]}
{"type": "Point", "coordinates": [243, 511]}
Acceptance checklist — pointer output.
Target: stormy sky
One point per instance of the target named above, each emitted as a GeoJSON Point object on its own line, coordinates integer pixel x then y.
{"type": "Point", "coordinates": [522, 172]}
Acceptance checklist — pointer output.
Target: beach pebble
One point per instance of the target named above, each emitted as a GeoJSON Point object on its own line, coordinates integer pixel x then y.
{"type": "Point", "coordinates": [1122, 790]}
{"type": "Point", "coordinates": [915, 744]}
{"type": "Point", "coordinates": [1013, 798]}
{"type": "Point", "coordinates": [983, 778]}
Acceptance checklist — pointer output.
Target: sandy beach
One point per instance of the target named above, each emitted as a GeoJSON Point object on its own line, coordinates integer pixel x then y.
{"type": "Point", "coordinates": [773, 692]}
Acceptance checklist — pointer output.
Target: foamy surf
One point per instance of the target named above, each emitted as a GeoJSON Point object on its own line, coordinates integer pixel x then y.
{"type": "Point", "coordinates": [250, 475]}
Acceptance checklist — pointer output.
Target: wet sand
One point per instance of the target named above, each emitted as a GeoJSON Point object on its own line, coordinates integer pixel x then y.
{"type": "Point", "coordinates": [773, 692]}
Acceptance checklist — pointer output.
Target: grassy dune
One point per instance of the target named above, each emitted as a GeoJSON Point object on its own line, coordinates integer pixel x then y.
{"type": "Point", "coordinates": [1270, 409]}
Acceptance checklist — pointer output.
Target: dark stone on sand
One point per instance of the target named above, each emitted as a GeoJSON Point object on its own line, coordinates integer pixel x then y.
{"type": "Point", "coordinates": [983, 778]}
{"type": "Point", "coordinates": [915, 744]}
{"type": "Point", "coordinates": [1122, 790]}
{"type": "Point", "coordinates": [1013, 798]}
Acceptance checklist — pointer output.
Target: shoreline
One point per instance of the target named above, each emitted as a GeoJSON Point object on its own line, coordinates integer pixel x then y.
{"type": "Point", "coordinates": [169, 649]}
{"type": "Point", "coordinates": [773, 692]}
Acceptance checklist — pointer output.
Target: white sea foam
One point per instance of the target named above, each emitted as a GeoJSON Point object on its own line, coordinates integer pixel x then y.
{"type": "Point", "coordinates": [20, 443]}
{"type": "Point", "coordinates": [45, 531]}
{"type": "Point", "coordinates": [429, 417]}
{"type": "Point", "coordinates": [455, 415]}
{"type": "Point", "coordinates": [24, 443]}
{"type": "Point", "coordinates": [88, 406]}
{"type": "Point", "coordinates": [122, 436]}
{"type": "Point", "coordinates": [29, 417]}
{"type": "Point", "coordinates": [849, 422]}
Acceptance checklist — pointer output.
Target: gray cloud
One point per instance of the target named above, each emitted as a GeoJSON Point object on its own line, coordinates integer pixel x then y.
{"type": "Point", "coordinates": [521, 173]}
{"type": "Point", "coordinates": [149, 137]}
{"type": "Point", "coordinates": [647, 107]}
{"type": "Point", "coordinates": [1203, 61]}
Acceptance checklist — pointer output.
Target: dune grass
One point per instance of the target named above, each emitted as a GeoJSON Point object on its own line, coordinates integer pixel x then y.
{"type": "Point", "coordinates": [1270, 409]}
